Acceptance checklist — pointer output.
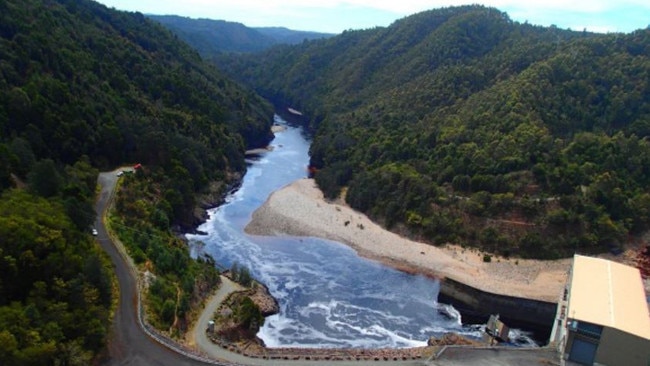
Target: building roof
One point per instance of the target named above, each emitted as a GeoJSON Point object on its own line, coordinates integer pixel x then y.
{"type": "Point", "coordinates": [608, 294]}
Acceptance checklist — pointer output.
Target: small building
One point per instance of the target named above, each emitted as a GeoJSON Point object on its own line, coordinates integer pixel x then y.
{"type": "Point", "coordinates": [602, 316]}
{"type": "Point", "coordinates": [496, 330]}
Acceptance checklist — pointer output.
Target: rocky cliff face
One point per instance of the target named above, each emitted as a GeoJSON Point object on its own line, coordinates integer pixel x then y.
{"type": "Point", "coordinates": [264, 300]}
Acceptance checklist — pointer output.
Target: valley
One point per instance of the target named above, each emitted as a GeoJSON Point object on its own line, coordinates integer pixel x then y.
{"type": "Point", "coordinates": [434, 171]}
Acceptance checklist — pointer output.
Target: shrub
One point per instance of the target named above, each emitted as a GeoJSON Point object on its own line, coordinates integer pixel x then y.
{"type": "Point", "coordinates": [487, 258]}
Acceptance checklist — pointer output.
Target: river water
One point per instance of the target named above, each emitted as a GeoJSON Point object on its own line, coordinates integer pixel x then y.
{"type": "Point", "coordinates": [328, 295]}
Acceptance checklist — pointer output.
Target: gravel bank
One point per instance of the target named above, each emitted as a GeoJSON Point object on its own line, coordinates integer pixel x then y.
{"type": "Point", "coordinates": [299, 209]}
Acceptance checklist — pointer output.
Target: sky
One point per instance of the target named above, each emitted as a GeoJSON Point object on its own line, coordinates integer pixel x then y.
{"type": "Point", "coordinates": [335, 16]}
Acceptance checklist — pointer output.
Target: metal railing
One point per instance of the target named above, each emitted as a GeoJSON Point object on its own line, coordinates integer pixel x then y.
{"type": "Point", "coordinates": [146, 327]}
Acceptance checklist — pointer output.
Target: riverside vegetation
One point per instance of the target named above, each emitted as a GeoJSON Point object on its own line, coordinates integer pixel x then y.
{"type": "Point", "coordinates": [84, 88]}
{"type": "Point", "coordinates": [239, 318]}
{"type": "Point", "coordinates": [452, 125]}
{"type": "Point", "coordinates": [459, 125]}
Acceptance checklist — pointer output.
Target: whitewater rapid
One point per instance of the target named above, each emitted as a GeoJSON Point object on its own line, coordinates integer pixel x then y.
{"type": "Point", "coordinates": [328, 295]}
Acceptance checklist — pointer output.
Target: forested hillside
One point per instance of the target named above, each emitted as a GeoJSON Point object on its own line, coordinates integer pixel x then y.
{"type": "Point", "coordinates": [78, 79]}
{"type": "Point", "coordinates": [460, 125]}
{"type": "Point", "coordinates": [55, 287]}
{"type": "Point", "coordinates": [84, 88]}
{"type": "Point", "coordinates": [283, 35]}
{"type": "Point", "coordinates": [211, 37]}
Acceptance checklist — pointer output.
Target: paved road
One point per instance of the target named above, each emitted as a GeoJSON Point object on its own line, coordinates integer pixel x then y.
{"type": "Point", "coordinates": [129, 344]}
{"type": "Point", "coordinates": [198, 336]}
{"type": "Point", "coordinates": [459, 356]}
{"type": "Point", "coordinates": [200, 340]}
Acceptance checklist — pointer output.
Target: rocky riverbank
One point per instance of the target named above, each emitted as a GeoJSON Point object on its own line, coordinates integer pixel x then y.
{"type": "Point", "coordinates": [215, 193]}
{"type": "Point", "coordinates": [219, 308]}
{"type": "Point", "coordinates": [230, 335]}
{"type": "Point", "coordinates": [260, 294]}
{"type": "Point", "coordinates": [264, 300]}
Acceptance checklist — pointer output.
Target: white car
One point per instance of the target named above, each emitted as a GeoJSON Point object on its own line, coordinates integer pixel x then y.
{"type": "Point", "coordinates": [120, 173]}
{"type": "Point", "coordinates": [94, 232]}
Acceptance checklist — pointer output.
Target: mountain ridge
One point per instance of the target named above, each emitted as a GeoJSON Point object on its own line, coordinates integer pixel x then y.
{"type": "Point", "coordinates": [462, 101]}
{"type": "Point", "coordinates": [120, 79]}
{"type": "Point", "coordinates": [82, 88]}
{"type": "Point", "coordinates": [211, 36]}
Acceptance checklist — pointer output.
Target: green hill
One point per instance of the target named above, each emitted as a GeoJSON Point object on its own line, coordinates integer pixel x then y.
{"type": "Point", "coordinates": [84, 88]}
{"type": "Point", "coordinates": [283, 35]}
{"type": "Point", "coordinates": [211, 37]}
{"type": "Point", "coordinates": [78, 79]}
{"type": "Point", "coordinates": [460, 125]}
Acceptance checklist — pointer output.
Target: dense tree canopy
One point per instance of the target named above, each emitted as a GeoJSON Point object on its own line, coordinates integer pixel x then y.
{"type": "Point", "coordinates": [84, 88]}
{"type": "Point", "coordinates": [55, 291]}
{"type": "Point", "coordinates": [177, 283]}
{"type": "Point", "coordinates": [211, 37]}
{"type": "Point", "coordinates": [79, 79]}
{"type": "Point", "coordinates": [460, 125]}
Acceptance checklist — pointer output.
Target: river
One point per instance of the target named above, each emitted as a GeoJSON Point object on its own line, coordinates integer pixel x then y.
{"type": "Point", "coordinates": [328, 295]}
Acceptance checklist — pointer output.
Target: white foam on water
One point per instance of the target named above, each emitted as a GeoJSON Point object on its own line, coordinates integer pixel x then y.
{"type": "Point", "coordinates": [343, 323]}
{"type": "Point", "coordinates": [521, 338]}
{"type": "Point", "coordinates": [450, 313]}
{"type": "Point", "coordinates": [396, 340]}
{"type": "Point", "coordinates": [328, 296]}
{"type": "Point", "coordinates": [272, 325]}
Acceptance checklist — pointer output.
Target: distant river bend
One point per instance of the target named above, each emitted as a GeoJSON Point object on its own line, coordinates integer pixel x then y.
{"type": "Point", "coordinates": [328, 295]}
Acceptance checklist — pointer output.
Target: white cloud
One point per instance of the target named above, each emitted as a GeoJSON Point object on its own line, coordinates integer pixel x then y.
{"type": "Point", "coordinates": [406, 7]}
{"type": "Point", "coordinates": [403, 7]}
{"type": "Point", "coordinates": [336, 15]}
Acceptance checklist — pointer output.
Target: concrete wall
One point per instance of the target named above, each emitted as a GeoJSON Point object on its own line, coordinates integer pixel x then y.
{"type": "Point", "coordinates": [617, 348]}
{"type": "Point", "coordinates": [476, 306]}
{"type": "Point", "coordinates": [621, 348]}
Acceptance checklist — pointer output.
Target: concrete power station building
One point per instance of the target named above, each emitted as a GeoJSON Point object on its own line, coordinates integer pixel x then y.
{"type": "Point", "coordinates": [602, 317]}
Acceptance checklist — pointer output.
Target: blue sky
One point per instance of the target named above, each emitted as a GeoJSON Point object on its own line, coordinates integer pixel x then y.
{"type": "Point", "coordinates": [335, 16]}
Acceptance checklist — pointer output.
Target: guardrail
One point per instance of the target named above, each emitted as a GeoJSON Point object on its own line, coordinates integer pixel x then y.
{"type": "Point", "coordinates": [142, 323]}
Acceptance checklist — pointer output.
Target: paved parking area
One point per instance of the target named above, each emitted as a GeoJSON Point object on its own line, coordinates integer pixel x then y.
{"type": "Point", "coordinates": [457, 356]}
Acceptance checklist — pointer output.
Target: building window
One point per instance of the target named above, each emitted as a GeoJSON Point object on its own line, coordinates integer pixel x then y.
{"type": "Point", "coordinates": [589, 330]}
